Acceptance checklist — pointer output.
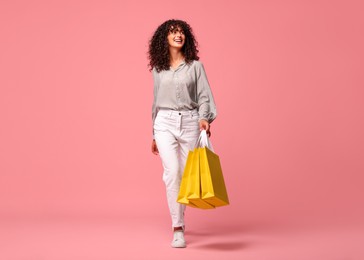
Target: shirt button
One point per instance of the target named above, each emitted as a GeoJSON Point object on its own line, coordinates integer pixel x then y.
{"type": "Point", "coordinates": [179, 113]}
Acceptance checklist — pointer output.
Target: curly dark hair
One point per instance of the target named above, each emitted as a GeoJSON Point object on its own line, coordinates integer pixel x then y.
{"type": "Point", "coordinates": [158, 52]}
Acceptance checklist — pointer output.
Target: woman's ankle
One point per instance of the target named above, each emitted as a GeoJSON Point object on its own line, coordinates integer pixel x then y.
{"type": "Point", "coordinates": [177, 228]}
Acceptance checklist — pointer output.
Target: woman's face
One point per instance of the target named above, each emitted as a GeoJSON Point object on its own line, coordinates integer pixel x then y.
{"type": "Point", "coordinates": [176, 37]}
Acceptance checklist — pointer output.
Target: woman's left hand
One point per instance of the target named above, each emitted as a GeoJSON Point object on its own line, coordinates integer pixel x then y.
{"type": "Point", "coordinates": [204, 125]}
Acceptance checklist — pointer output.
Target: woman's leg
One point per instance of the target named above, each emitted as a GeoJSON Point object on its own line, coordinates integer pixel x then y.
{"type": "Point", "coordinates": [175, 134]}
{"type": "Point", "coordinates": [169, 150]}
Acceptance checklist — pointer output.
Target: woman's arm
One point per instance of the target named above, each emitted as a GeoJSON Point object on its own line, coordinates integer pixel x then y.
{"type": "Point", "coordinates": [155, 93]}
{"type": "Point", "coordinates": [207, 108]}
{"type": "Point", "coordinates": [154, 109]}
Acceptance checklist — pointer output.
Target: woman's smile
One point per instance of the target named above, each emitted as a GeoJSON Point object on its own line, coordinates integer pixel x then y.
{"type": "Point", "coordinates": [178, 40]}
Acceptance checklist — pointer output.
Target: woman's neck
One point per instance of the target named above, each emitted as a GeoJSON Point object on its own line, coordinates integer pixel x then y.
{"type": "Point", "coordinates": [175, 56]}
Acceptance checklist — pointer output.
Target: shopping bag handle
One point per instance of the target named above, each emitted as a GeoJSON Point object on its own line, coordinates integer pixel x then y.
{"type": "Point", "coordinates": [204, 141]}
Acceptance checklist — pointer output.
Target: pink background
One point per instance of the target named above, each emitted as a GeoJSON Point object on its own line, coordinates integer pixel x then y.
{"type": "Point", "coordinates": [75, 111]}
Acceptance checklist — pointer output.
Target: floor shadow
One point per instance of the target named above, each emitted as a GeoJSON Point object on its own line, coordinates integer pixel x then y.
{"type": "Point", "coordinates": [212, 231]}
{"type": "Point", "coordinates": [235, 231]}
{"type": "Point", "coordinates": [225, 246]}
{"type": "Point", "coordinates": [221, 229]}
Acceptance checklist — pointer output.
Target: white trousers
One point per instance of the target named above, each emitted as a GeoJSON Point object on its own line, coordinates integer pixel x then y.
{"type": "Point", "coordinates": [175, 133]}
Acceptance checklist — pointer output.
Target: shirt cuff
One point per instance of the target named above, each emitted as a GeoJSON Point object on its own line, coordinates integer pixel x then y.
{"type": "Point", "coordinates": [203, 119]}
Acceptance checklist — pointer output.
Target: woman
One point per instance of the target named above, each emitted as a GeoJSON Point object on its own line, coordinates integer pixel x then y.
{"type": "Point", "coordinates": [183, 106]}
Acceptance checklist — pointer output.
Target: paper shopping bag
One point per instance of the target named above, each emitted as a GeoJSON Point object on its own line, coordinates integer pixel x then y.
{"type": "Point", "coordinates": [182, 195]}
{"type": "Point", "coordinates": [194, 184]}
{"type": "Point", "coordinates": [213, 190]}
{"type": "Point", "coordinates": [190, 188]}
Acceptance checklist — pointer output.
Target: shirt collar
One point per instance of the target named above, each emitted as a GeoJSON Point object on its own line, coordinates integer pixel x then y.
{"type": "Point", "coordinates": [181, 63]}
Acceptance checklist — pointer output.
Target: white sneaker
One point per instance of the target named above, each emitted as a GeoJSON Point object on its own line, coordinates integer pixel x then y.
{"type": "Point", "coordinates": [178, 239]}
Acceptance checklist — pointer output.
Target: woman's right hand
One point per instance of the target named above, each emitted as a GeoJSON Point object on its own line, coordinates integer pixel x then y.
{"type": "Point", "coordinates": [154, 147]}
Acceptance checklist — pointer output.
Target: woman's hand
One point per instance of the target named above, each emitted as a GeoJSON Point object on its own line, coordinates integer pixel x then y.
{"type": "Point", "coordinates": [204, 125]}
{"type": "Point", "coordinates": [154, 147]}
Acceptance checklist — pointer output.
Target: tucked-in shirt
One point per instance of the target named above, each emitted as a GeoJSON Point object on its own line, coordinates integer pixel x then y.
{"type": "Point", "coordinates": [184, 88]}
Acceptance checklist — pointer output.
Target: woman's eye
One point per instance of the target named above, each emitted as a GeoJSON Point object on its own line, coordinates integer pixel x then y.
{"type": "Point", "coordinates": [174, 32]}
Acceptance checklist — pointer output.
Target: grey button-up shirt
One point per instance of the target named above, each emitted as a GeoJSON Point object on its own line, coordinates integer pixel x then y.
{"type": "Point", "coordinates": [184, 88]}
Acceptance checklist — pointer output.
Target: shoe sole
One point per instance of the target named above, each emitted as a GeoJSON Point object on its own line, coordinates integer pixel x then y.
{"type": "Point", "coordinates": [179, 246]}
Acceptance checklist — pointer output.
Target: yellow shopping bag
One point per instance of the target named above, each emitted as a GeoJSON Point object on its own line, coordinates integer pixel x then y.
{"type": "Point", "coordinates": [182, 195]}
{"type": "Point", "coordinates": [212, 180]}
{"type": "Point", "coordinates": [190, 188]}
{"type": "Point", "coordinates": [185, 187]}
{"type": "Point", "coordinates": [194, 184]}
{"type": "Point", "coordinates": [202, 185]}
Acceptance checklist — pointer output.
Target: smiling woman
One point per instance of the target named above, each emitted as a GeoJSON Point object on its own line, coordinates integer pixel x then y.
{"type": "Point", "coordinates": [164, 38]}
{"type": "Point", "coordinates": [183, 105]}
{"type": "Point", "coordinates": [176, 36]}
{"type": "Point", "coordinates": [176, 39]}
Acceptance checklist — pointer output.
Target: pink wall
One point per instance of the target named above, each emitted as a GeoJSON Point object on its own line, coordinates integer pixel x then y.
{"type": "Point", "coordinates": [75, 106]}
